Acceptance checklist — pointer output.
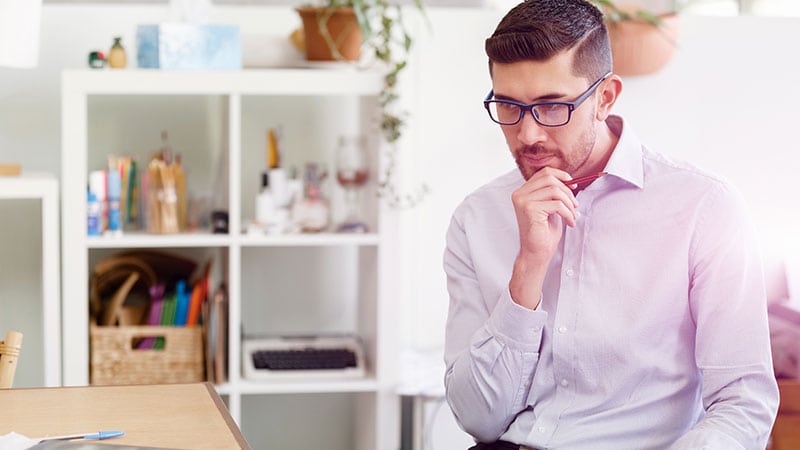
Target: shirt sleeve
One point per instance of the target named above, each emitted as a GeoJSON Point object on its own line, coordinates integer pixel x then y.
{"type": "Point", "coordinates": [491, 347]}
{"type": "Point", "coordinates": [728, 302]}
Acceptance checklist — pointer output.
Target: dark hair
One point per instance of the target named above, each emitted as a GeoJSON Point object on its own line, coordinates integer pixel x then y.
{"type": "Point", "coordinates": [540, 29]}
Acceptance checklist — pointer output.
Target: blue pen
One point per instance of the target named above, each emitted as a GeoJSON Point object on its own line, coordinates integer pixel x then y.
{"type": "Point", "coordinates": [99, 435]}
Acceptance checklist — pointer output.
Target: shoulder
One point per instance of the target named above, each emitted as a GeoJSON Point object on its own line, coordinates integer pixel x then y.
{"type": "Point", "coordinates": [693, 188]}
{"type": "Point", "coordinates": [692, 179]}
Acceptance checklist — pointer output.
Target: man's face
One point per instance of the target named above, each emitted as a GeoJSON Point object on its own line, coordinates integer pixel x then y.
{"type": "Point", "coordinates": [567, 147]}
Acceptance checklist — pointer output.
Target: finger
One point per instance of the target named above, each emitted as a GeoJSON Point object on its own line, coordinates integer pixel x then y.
{"type": "Point", "coordinates": [551, 177]}
{"type": "Point", "coordinates": [550, 192]}
{"type": "Point", "coordinates": [552, 208]}
{"type": "Point", "coordinates": [539, 210]}
{"type": "Point", "coordinates": [566, 213]}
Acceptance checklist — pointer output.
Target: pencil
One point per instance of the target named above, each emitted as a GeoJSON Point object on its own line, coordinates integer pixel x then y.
{"type": "Point", "coordinates": [97, 435]}
{"type": "Point", "coordinates": [580, 180]}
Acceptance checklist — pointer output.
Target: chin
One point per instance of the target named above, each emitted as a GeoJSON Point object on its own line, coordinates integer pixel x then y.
{"type": "Point", "coordinates": [528, 170]}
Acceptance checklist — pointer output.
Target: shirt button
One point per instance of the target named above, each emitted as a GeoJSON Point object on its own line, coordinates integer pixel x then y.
{"type": "Point", "coordinates": [570, 272]}
{"type": "Point", "coordinates": [564, 382]}
{"type": "Point", "coordinates": [562, 329]}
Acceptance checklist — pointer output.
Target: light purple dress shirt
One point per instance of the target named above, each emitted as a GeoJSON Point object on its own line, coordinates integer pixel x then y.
{"type": "Point", "coordinates": [652, 330]}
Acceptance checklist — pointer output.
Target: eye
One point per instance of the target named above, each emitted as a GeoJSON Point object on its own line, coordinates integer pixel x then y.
{"type": "Point", "coordinates": [506, 107]}
{"type": "Point", "coordinates": [550, 108]}
{"type": "Point", "coordinates": [554, 111]}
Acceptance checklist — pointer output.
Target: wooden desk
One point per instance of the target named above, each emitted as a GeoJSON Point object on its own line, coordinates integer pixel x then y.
{"type": "Point", "coordinates": [181, 416]}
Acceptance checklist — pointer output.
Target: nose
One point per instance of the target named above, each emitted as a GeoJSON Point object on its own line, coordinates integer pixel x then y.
{"type": "Point", "coordinates": [530, 131]}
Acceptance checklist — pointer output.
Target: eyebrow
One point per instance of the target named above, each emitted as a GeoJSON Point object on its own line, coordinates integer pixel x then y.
{"type": "Point", "coordinates": [543, 98]}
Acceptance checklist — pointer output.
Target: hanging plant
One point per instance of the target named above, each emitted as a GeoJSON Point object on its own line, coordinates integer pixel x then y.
{"type": "Point", "coordinates": [384, 33]}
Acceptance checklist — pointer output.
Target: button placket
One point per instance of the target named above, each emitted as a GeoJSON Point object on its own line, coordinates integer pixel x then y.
{"type": "Point", "coordinates": [568, 310]}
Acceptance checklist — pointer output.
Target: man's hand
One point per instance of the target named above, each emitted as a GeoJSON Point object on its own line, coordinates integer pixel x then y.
{"type": "Point", "coordinates": [540, 205]}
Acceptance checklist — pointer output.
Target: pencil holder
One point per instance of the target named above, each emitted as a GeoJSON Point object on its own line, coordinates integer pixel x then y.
{"type": "Point", "coordinates": [9, 352]}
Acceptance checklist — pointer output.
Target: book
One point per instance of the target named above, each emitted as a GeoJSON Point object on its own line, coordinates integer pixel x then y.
{"type": "Point", "coordinates": [215, 319]}
{"type": "Point", "coordinates": [181, 304]}
{"type": "Point", "coordinates": [167, 318]}
{"type": "Point", "coordinates": [154, 316]}
{"type": "Point", "coordinates": [132, 206]}
{"type": "Point", "coordinates": [210, 335]}
{"type": "Point", "coordinates": [199, 294]}
{"type": "Point", "coordinates": [220, 305]}
{"type": "Point", "coordinates": [195, 304]}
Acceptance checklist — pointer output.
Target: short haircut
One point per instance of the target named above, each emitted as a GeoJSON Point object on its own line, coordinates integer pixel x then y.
{"type": "Point", "coordinates": [540, 29]}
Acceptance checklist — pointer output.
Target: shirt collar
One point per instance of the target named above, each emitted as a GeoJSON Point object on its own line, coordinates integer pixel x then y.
{"type": "Point", "coordinates": [626, 161]}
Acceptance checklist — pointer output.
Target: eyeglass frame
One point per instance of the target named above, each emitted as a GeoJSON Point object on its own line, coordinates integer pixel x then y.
{"type": "Point", "coordinates": [528, 107]}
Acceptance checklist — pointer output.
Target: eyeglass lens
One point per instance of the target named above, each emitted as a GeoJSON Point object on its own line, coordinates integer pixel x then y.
{"type": "Point", "coordinates": [546, 114]}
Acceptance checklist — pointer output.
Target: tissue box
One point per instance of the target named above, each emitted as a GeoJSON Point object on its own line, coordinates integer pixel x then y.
{"type": "Point", "coordinates": [183, 46]}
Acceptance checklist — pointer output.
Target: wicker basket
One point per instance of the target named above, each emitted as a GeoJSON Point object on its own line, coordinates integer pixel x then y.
{"type": "Point", "coordinates": [114, 360]}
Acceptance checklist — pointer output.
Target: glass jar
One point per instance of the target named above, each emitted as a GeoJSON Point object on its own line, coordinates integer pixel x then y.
{"type": "Point", "coordinates": [117, 59]}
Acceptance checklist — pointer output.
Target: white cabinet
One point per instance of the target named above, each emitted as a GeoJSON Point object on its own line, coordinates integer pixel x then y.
{"type": "Point", "coordinates": [293, 283]}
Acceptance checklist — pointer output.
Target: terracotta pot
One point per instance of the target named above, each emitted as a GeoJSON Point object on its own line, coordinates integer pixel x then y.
{"type": "Point", "coordinates": [641, 48]}
{"type": "Point", "coordinates": [342, 27]}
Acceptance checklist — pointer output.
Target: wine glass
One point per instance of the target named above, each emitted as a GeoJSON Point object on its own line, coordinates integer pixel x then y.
{"type": "Point", "coordinates": [352, 172]}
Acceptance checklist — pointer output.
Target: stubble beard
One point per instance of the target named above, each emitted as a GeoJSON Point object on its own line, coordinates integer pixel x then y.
{"type": "Point", "coordinates": [569, 162]}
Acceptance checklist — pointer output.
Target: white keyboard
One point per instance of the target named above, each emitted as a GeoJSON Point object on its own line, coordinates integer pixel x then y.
{"type": "Point", "coordinates": [290, 357]}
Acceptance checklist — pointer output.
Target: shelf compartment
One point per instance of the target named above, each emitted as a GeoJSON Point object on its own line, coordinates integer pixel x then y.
{"type": "Point", "coordinates": [330, 117]}
{"type": "Point", "coordinates": [311, 291]}
{"type": "Point", "coordinates": [339, 421]}
{"type": "Point", "coordinates": [305, 290]}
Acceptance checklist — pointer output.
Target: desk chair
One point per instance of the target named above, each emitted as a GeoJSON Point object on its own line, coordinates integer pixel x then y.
{"type": "Point", "coordinates": [9, 352]}
{"type": "Point", "coordinates": [786, 431]}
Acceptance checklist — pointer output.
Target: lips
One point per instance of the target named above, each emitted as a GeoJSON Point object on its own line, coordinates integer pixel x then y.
{"type": "Point", "coordinates": [537, 159]}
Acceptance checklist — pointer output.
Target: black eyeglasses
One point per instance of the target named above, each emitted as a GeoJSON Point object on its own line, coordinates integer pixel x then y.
{"type": "Point", "coordinates": [547, 114]}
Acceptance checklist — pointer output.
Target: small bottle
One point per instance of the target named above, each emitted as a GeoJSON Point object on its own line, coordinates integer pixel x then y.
{"type": "Point", "coordinates": [265, 203]}
{"type": "Point", "coordinates": [273, 150]}
{"type": "Point", "coordinates": [117, 59]}
{"type": "Point", "coordinates": [312, 213]}
{"type": "Point", "coordinates": [93, 212]}
{"type": "Point", "coordinates": [114, 213]}
{"type": "Point", "coordinates": [98, 187]}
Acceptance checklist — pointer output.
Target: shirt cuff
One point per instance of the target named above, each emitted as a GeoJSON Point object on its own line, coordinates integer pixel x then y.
{"type": "Point", "coordinates": [516, 325]}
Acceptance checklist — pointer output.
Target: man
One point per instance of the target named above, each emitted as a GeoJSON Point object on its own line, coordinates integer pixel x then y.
{"type": "Point", "coordinates": [624, 312]}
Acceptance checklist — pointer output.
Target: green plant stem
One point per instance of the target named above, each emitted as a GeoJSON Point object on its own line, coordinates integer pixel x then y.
{"type": "Point", "coordinates": [384, 31]}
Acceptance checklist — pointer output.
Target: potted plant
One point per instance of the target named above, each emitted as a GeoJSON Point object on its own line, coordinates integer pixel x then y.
{"type": "Point", "coordinates": [339, 30]}
{"type": "Point", "coordinates": [642, 42]}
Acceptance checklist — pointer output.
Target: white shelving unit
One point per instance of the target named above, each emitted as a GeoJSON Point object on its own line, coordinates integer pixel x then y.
{"type": "Point", "coordinates": [44, 187]}
{"type": "Point", "coordinates": [283, 283]}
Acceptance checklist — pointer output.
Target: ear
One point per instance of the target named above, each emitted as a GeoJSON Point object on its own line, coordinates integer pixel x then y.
{"type": "Point", "coordinates": [607, 94]}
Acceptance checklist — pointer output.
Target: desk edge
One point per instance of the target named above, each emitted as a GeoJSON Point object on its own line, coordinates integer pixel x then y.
{"type": "Point", "coordinates": [226, 415]}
